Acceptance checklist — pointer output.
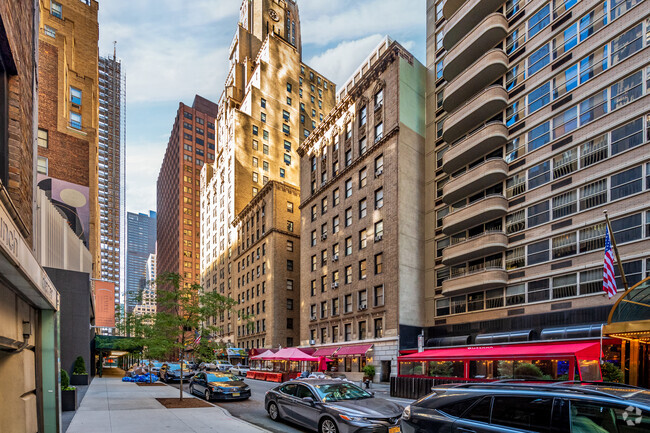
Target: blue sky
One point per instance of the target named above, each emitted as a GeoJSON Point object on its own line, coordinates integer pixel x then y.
{"type": "Point", "coordinates": [174, 49]}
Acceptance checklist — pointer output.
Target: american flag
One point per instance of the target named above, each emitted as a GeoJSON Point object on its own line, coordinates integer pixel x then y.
{"type": "Point", "coordinates": [609, 281]}
{"type": "Point", "coordinates": [197, 340]}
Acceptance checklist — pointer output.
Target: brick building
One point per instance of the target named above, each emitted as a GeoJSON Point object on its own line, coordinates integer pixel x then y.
{"type": "Point", "coordinates": [191, 145]}
{"type": "Point", "coordinates": [28, 299]}
{"type": "Point", "coordinates": [362, 196]}
{"type": "Point", "coordinates": [270, 103]}
{"type": "Point", "coordinates": [68, 109]}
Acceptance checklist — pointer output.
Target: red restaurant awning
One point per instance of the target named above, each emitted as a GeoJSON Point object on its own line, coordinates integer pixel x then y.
{"type": "Point", "coordinates": [325, 351]}
{"type": "Point", "coordinates": [586, 350]}
{"type": "Point", "coordinates": [358, 350]}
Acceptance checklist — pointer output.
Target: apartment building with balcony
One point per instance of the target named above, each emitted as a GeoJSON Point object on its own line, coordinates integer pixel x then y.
{"type": "Point", "coordinates": [537, 122]}
{"type": "Point", "coordinates": [270, 103]}
{"type": "Point", "coordinates": [362, 211]}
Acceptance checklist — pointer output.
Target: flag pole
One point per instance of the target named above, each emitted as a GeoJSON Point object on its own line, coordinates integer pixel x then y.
{"type": "Point", "coordinates": [618, 258]}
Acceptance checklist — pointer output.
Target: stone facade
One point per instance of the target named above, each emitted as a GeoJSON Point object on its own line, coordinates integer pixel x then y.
{"type": "Point", "coordinates": [271, 102]}
{"type": "Point", "coordinates": [361, 210]}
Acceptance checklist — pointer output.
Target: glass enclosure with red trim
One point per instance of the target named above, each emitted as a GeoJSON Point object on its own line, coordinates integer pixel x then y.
{"type": "Point", "coordinates": [543, 361]}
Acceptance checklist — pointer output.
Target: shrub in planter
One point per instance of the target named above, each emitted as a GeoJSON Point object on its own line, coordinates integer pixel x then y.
{"type": "Point", "coordinates": [68, 393]}
{"type": "Point", "coordinates": [369, 372]}
{"type": "Point", "coordinates": [611, 373]}
{"type": "Point", "coordinates": [79, 373]}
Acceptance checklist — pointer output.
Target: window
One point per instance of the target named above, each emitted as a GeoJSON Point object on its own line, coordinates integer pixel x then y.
{"type": "Point", "coordinates": [565, 81]}
{"type": "Point", "coordinates": [379, 263]}
{"type": "Point", "coordinates": [313, 263]}
{"type": "Point", "coordinates": [363, 177]}
{"type": "Point", "coordinates": [363, 114]}
{"type": "Point", "coordinates": [347, 304]}
{"type": "Point", "coordinates": [592, 238]}
{"type": "Point", "coordinates": [538, 252]}
{"type": "Point", "coordinates": [290, 246]}
{"type": "Point", "coordinates": [627, 136]}
{"type": "Point", "coordinates": [75, 120]}
{"type": "Point", "coordinates": [348, 157]}
{"type": "Point", "coordinates": [626, 90]}
{"type": "Point", "coordinates": [627, 229]}
{"type": "Point", "coordinates": [335, 224]}
{"type": "Point", "coordinates": [626, 183]}
{"type": "Point", "coordinates": [515, 294]}
{"type": "Point", "coordinates": [539, 59]}
{"type": "Point", "coordinates": [348, 188]}
{"type": "Point", "coordinates": [56, 9]}
{"type": "Point", "coordinates": [539, 175]}
{"type": "Point", "coordinates": [287, 146]}
{"type": "Point", "coordinates": [379, 198]}
{"type": "Point", "coordinates": [287, 159]}
{"type": "Point", "coordinates": [379, 230]}
{"type": "Point", "coordinates": [335, 197]}
{"type": "Point", "coordinates": [348, 246]}
{"type": "Point", "coordinates": [565, 122]}
{"type": "Point", "coordinates": [42, 138]}
{"type": "Point", "coordinates": [289, 87]}
{"type": "Point", "coordinates": [539, 97]}
{"type": "Point", "coordinates": [363, 145]}
{"type": "Point", "coordinates": [593, 194]}
{"type": "Point", "coordinates": [348, 217]}
{"type": "Point", "coordinates": [538, 214]}
{"type": "Point", "coordinates": [255, 130]}
{"type": "Point", "coordinates": [521, 412]}
{"type": "Point", "coordinates": [323, 203]}
{"type": "Point", "coordinates": [539, 136]}
{"type": "Point", "coordinates": [290, 226]}
{"type": "Point", "coordinates": [379, 165]}
{"type": "Point", "coordinates": [627, 44]}
{"type": "Point", "coordinates": [379, 131]}
{"type": "Point", "coordinates": [286, 129]}
{"type": "Point", "coordinates": [379, 98]}
{"type": "Point", "coordinates": [348, 130]}
{"type": "Point", "coordinates": [289, 304]}
{"type": "Point", "coordinates": [41, 166]}
{"type": "Point", "coordinates": [565, 204]}
{"type": "Point", "coordinates": [540, 20]}
{"type": "Point", "coordinates": [362, 270]}
{"type": "Point", "coordinates": [565, 163]}
{"type": "Point", "coordinates": [75, 96]}
{"type": "Point", "coordinates": [348, 274]}
{"type": "Point", "coordinates": [363, 239]}
{"type": "Point", "coordinates": [363, 208]}
{"type": "Point", "coordinates": [564, 245]}
{"type": "Point", "coordinates": [593, 108]}
{"type": "Point", "coordinates": [265, 165]}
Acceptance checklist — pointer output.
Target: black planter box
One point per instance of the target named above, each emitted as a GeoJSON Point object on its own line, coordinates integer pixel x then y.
{"type": "Point", "coordinates": [69, 400]}
{"type": "Point", "coordinates": [79, 379]}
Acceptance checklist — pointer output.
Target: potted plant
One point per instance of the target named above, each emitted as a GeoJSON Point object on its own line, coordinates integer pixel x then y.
{"type": "Point", "coordinates": [79, 373]}
{"type": "Point", "coordinates": [68, 393]}
{"type": "Point", "coordinates": [368, 372]}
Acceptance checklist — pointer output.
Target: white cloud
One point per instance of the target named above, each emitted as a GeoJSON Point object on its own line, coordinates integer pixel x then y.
{"type": "Point", "coordinates": [142, 166]}
{"type": "Point", "coordinates": [340, 62]}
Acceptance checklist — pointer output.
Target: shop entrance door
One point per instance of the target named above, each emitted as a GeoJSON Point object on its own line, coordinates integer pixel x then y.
{"type": "Point", "coordinates": [385, 371]}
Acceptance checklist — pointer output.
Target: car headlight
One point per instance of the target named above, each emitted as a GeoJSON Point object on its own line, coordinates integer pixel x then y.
{"type": "Point", "coordinates": [407, 413]}
{"type": "Point", "coordinates": [246, 388]}
{"type": "Point", "coordinates": [351, 418]}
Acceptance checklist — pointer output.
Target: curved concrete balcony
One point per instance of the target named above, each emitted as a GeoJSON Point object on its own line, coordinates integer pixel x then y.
{"type": "Point", "coordinates": [484, 279]}
{"type": "Point", "coordinates": [479, 246]}
{"type": "Point", "coordinates": [486, 209]}
{"type": "Point", "coordinates": [450, 7]}
{"type": "Point", "coordinates": [477, 110]}
{"type": "Point", "coordinates": [485, 140]}
{"type": "Point", "coordinates": [477, 77]}
{"type": "Point", "coordinates": [492, 30]}
{"type": "Point", "coordinates": [472, 181]}
{"type": "Point", "coordinates": [466, 17]}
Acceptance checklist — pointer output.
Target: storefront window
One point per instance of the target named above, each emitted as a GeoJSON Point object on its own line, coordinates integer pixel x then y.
{"type": "Point", "coordinates": [544, 369]}
{"type": "Point", "coordinates": [446, 369]}
{"type": "Point", "coordinates": [409, 368]}
{"type": "Point", "coordinates": [589, 370]}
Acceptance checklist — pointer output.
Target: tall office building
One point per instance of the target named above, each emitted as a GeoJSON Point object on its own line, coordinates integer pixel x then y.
{"type": "Point", "coordinates": [68, 109]}
{"type": "Point", "coordinates": [140, 244]}
{"type": "Point", "coordinates": [191, 145]}
{"type": "Point", "coordinates": [270, 103]}
{"type": "Point", "coordinates": [537, 123]}
{"type": "Point", "coordinates": [362, 195]}
{"type": "Point", "coordinates": [147, 301]}
{"type": "Point", "coordinates": [111, 174]}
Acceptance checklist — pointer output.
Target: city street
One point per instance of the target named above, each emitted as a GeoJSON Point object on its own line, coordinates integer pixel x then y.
{"type": "Point", "coordinates": [252, 410]}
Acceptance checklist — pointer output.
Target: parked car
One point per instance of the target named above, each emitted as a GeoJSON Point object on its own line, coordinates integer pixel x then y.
{"type": "Point", "coordinates": [155, 367]}
{"type": "Point", "coordinates": [223, 365]}
{"type": "Point", "coordinates": [332, 406]}
{"type": "Point", "coordinates": [240, 370]}
{"type": "Point", "coordinates": [557, 407]}
{"type": "Point", "coordinates": [172, 372]}
{"type": "Point", "coordinates": [219, 385]}
{"type": "Point", "coordinates": [206, 366]}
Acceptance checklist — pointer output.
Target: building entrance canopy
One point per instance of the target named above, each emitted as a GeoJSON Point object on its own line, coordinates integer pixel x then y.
{"type": "Point", "coordinates": [630, 317]}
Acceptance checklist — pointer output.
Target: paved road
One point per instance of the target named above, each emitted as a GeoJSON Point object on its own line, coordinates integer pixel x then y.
{"type": "Point", "coordinates": [252, 410]}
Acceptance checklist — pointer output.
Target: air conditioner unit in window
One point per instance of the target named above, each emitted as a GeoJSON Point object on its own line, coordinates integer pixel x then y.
{"type": "Point", "coordinates": [323, 237]}
{"type": "Point", "coordinates": [335, 285]}
{"type": "Point", "coordinates": [335, 257]}
{"type": "Point", "coordinates": [312, 342]}
{"type": "Point", "coordinates": [363, 307]}
{"type": "Point", "coordinates": [378, 237]}
{"type": "Point", "coordinates": [313, 317]}
{"type": "Point", "coordinates": [379, 171]}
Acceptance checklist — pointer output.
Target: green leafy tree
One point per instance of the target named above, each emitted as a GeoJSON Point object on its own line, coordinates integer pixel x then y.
{"type": "Point", "coordinates": [611, 373]}
{"type": "Point", "coordinates": [183, 308]}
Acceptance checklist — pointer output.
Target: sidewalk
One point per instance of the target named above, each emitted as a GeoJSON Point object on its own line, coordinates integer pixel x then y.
{"type": "Point", "coordinates": [113, 406]}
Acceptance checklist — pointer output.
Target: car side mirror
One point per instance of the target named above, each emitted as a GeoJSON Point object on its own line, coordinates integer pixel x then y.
{"type": "Point", "coordinates": [309, 401]}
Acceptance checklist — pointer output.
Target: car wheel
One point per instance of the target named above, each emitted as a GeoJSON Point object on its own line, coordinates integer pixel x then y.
{"type": "Point", "coordinates": [191, 389]}
{"type": "Point", "coordinates": [327, 425]}
{"type": "Point", "coordinates": [274, 412]}
{"type": "Point", "coordinates": [207, 395]}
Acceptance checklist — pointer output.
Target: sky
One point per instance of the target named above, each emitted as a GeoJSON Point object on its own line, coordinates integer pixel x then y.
{"type": "Point", "coordinates": [173, 49]}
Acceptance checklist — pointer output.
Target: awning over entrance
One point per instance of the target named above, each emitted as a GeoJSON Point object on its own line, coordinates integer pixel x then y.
{"type": "Point", "coordinates": [358, 350]}
{"type": "Point", "coordinates": [325, 351]}
{"type": "Point", "coordinates": [586, 350]}
{"type": "Point", "coordinates": [630, 317]}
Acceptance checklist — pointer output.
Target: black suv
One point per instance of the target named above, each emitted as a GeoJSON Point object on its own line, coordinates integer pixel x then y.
{"type": "Point", "coordinates": [563, 407]}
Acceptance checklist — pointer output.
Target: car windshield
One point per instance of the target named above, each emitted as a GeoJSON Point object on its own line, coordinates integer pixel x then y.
{"type": "Point", "coordinates": [174, 367]}
{"type": "Point", "coordinates": [157, 364]}
{"type": "Point", "coordinates": [220, 377]}
{"type": "Point", "coordinates": [340, 391]}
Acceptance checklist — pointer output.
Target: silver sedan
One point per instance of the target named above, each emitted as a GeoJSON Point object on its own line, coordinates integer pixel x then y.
{"type": "Point", "coordinates": [332, 406]}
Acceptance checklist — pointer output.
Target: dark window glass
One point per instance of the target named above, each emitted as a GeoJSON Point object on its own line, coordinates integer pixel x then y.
{"type": "Point", "coordinates": [481, 411]}
{"type": "Point", "coordinates": [526, 413]}
{"type": "Point", "coordinates": [456, 408]}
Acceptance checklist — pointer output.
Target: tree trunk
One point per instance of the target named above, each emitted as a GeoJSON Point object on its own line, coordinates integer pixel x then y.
{"type": "Point", "coordinates": [181, 358]}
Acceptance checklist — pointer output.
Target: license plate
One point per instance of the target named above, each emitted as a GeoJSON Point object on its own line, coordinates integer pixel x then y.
{"type": "Point", "coordinates": [395, 429]}
{"type": "Point", "coordinates": [235, 394]}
